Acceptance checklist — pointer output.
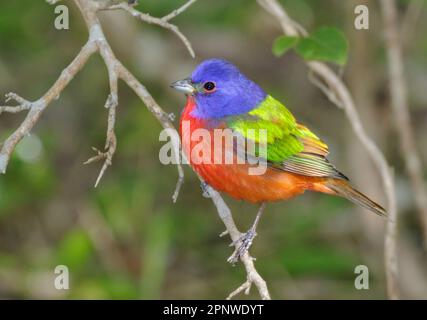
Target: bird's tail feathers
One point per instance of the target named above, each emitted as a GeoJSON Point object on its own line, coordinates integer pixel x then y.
{"type": "Point", "coordinates": [343, 189]}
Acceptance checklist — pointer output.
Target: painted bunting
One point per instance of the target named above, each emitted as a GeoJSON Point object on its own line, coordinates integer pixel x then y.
{"type": "Point", "coordinates": [219, 96]}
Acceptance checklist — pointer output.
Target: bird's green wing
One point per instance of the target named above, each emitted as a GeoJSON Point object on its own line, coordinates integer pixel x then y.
{"type": "Point", "coordinates": [285, 144]}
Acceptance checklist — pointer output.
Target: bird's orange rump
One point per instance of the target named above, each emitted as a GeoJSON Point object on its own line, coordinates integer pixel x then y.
{"type": "Point", "coordinates": [234, 179]}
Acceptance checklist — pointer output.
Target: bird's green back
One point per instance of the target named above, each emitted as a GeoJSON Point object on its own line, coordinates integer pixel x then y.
{"type": "Point", "coordinates": [289, 146]}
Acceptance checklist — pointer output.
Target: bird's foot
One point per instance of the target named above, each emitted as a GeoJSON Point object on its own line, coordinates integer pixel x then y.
{"type": "Point", "coordinates": [245, 242]}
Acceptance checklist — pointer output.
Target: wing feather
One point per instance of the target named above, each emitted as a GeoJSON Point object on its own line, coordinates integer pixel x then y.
{"type": "Point", "coordinates": [290, 146]}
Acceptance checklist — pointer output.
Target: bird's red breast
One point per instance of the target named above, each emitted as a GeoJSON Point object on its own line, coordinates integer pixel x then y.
{"type": "Point", "coordinates": [234, 179]}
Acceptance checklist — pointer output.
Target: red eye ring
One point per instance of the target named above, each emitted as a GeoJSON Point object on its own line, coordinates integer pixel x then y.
{"type": "Point", "coordinates": [209, 86]}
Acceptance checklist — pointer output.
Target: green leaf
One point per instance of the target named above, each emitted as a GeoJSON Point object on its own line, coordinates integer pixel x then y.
{"type": "Point", "coordinates": [282, 44]}
{"type": "Point", "coordinates": [326, 44]}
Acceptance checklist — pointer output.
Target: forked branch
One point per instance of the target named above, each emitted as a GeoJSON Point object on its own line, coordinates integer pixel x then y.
{"type": "Point", "coordinates": [400, 107]}
{"type": "Point", "coordinates": [335, 89]}
{"type": "Point", "coordinates": [97, 42]}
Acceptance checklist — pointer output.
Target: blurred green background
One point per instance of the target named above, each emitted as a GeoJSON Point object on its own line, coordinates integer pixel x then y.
{"type": "Point", "coordinates": [126, 239]}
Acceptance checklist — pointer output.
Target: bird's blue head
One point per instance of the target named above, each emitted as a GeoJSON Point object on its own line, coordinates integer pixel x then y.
{"type": "Point", "coordinates": [220, 90]}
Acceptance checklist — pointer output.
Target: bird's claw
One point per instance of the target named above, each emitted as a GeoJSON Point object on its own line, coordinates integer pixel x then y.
{"type": "Point", "coordinates": [245, 241]}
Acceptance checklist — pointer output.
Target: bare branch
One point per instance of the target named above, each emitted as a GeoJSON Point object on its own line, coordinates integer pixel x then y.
{"type": "Point", "coordinates": [178, 11]}
{"type": "Point", "coordinates": [245, 287]}
{"type": "Point", "coordinates": [178, 186]}
{"type": "Point", "coordinates": [36, 108]}
{"type": "Point", "coordinates": [339, 94]}
{"type": "Point", "coordinates": [110, 104]}
{"type": "Point", "coordinates": [98, 43]}
{"type": "Point", "coordinates": [164, 119]}
{"type": "Point", "coordinates": [399, 103]}
{"type": "Point", "coordinates": [162, 22]}
{"type": "Point", "coordinates": [21, 106]}
{"type": "Point", "coordinates": [248, 262]}
{"type": "Point", "coordinates": [107, 155]}
{"type": "Point", "coordinates": [329, 92]}
{"type": "Point", "coordinates": [158, 112]}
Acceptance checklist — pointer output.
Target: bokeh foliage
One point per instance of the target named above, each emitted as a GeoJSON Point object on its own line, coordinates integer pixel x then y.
{"type": "Point", "coordinates": [126, 239]}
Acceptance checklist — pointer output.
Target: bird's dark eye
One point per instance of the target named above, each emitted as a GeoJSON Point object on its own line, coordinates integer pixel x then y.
{"type": "Point", "coordinates": [209, 86]}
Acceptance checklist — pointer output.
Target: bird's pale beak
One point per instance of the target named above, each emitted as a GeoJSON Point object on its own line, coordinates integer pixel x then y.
{"type": "Point", "coordinates": [185, 86]}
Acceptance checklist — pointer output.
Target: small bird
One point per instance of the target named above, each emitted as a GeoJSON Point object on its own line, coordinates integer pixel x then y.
{"type": "Point", "coordinates": [219, 96]}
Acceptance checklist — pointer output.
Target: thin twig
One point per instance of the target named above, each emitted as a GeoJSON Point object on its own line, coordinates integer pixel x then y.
{"type": "Point", "coordinates": [164, 119]}
{"type": "Point", "coordinates": [21, 106]}
{"type": "Point", "coordinates": [223, 210]}
{"type": "Point", "coordinates": [116, 70]}
{"type": "Point", "coordinates": [36, 108]}
{"type": "Point", "coordinates": [110, 104]}
{"type": "Point", "coordinates": [244, 287]}
{"type": "Point", "coordinates": [339, 94]}
{"type": "Point", "coordinates": [248, 262]}
{"type": "Point", "coordinates": [178, 11]}
{"type": "Point", "coordinates": [329, 92]}
{"type": "Point", "coordinates": [162, 22]}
